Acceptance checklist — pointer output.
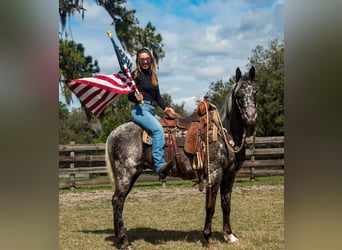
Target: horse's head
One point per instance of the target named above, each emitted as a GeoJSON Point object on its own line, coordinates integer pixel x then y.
{"type": "Point", "coordinates": [245, 97]}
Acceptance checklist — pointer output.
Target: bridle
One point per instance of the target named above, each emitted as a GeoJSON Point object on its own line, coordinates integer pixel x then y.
{"type": "Point", "coordinates": [238, 104]}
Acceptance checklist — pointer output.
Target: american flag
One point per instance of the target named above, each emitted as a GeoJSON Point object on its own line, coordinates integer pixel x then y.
{"type": "Point", "coordinates": [123, 59]}
{"type": "Point", "coordinates": [97, 92]}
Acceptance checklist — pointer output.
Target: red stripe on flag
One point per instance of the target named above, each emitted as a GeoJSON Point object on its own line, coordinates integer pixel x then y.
{"type": "Point", "coordinates": [118, 79]}
{"type": "Point", "coordinates": [99, 101]}
{"type": "Point", "coordinates": [117, 88]}
{"type": "Point", "coordinates": [84, 90]}
{"type": "Point", "coordinates": [92, 95]}
{"type": "Point", "coordinates": [95, 92]}
{"type": "Point", "coordinates": [101, 107]}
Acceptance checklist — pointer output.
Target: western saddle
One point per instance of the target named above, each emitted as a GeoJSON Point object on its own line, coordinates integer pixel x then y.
{"type": "Point", "coordinates": [191, 134]}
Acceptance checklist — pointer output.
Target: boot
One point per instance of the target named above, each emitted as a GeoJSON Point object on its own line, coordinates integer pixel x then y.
{"type": "Point", "coordinates": [164, 170]}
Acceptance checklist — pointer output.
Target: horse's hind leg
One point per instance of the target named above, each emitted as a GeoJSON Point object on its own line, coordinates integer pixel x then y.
{"type": "Point", "coordinates": [119, 229]}
{"type": "Point", "coordinates": [121, 191]}
{"type": "Point", "coordinates": [226, 194]}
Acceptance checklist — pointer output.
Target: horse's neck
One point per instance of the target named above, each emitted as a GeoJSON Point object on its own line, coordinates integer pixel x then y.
{"type": "Point", "coordinates": [231, 119]}
{"type": "Point", "coordinates": [236, 127]}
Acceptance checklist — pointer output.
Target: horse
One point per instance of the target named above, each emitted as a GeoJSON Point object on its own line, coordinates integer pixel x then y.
{"type": "Point", "coordinates": [127, 157]}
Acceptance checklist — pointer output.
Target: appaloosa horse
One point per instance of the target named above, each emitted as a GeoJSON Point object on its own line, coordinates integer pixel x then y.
{"type": "Point", "coordinates": [127, 156]}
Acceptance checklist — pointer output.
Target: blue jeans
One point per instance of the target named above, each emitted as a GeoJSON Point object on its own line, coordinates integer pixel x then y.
{"type": "Point", "coordinates": [144, 116]}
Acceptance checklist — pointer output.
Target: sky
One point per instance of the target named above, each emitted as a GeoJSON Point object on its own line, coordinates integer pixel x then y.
{"type": "Point", "coordinates": [204, 41]}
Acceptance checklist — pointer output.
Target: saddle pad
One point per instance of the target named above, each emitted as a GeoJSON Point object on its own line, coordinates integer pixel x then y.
{"type": "Point", "coordinates": [191, 137]}
{"type": "Point", "coordinates": [147, 139]}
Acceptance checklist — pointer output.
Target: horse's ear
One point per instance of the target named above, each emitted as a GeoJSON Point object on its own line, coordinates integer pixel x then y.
{"type": "Point", "coordinates": [251, 73]}
{"type": "Point", "coordinates": [237, 74]}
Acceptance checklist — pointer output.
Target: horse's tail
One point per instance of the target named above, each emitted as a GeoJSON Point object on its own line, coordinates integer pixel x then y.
{"type": "Point", "coordinates": [109, 165]}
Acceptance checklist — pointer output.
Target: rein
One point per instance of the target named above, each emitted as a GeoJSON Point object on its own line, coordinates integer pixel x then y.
{"type": "Point", "coordinates": [223, 132]}
{"type": "Point", "coordinates": [243, 140]}
{"type": "Point", "coordinates": [210, 199]}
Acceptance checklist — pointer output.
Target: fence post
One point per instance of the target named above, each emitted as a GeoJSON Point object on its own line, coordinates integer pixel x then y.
{"type": "Point", "coordinates": [252, 170]}
{"type": "Point", "coordinates": [72, 176]}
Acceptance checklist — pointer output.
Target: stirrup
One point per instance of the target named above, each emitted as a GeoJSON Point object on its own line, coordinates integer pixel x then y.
{"type": "Point", "coordinates": [146, 138]}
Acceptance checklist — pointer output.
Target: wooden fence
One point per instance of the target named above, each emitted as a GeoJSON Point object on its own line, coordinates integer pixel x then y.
{"type": "Point", "coordinates": [88, 160]}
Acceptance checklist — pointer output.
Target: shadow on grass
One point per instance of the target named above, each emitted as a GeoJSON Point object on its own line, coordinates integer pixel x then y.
{"type": "Point", "coordinates": [155, 236]}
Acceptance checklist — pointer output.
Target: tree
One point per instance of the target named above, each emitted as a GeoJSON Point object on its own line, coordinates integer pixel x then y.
{"type": "Point", "coordinates": [131, 36]}
{"type": "Point", "coordinates": [67, 8]}
{"type": "Point", "coordinates": [180, 109]}
{"type": "Point", "coordinates": [169, 103]}
{"type": "Point", "coordinates": [146, 38]}
{"type": "Point", "coordinates": [269, 66]}
{"type": "Point", "coordinates": [218, 90]}
{"type": "Point", "coordinates": [114, 115]}
{"type": "Point", "coordinates": [74, 64]}
{"type": "Point", "coordinates": [124, 21]}
{"type": "Point", "coordinates": [73, 126]}
{"type": "Point", "coordinates": [63, 111]}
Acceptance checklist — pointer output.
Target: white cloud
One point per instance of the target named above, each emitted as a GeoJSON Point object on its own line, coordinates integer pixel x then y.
{"type": "Point", "coordinates": [203, 42]}
{"type": "Point", "coordinates": [189, 102]}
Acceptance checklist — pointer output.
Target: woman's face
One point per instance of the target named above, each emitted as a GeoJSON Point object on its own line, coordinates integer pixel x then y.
{"type": "Point", "coordinates": [144, 60]}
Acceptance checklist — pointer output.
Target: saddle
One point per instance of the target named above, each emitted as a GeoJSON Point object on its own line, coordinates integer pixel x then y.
{"type": "Point", "coordinates": [190, 134]}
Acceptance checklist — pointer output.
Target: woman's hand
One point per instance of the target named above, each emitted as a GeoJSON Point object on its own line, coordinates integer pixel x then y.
{"type": "Point", "coordinates": [170, 112]}
{"type": "Point", "coordinates": [139, 97]}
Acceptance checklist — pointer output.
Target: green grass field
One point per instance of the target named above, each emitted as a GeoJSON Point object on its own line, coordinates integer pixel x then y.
{"type": "Point", "coordinates": [172, 217]}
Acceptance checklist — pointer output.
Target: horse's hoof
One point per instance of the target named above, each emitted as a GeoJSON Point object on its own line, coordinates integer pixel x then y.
{"type": "Point", "coordinates": [162, 176]}
{"type": "Point", "coordinates": [230, 238]}
{"type": "Point", "coordinates": [212, 245]}
{"type": "Point", "coordinates": [127, 247]}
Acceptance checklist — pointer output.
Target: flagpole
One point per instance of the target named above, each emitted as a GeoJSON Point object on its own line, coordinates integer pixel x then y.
{"type": "Point", "coordinates": [124, 65]}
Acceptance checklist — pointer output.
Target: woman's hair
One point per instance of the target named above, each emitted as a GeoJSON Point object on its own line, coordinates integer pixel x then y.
{"type": "Point", "coordinates": [153, 67]}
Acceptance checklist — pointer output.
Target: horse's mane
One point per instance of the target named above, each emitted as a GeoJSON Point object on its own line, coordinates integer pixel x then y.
{"type": "Point", "coordinates": [225, 107]}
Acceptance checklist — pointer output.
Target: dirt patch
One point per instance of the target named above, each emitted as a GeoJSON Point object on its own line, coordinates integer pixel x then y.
{"type": "Point", "coordinates": [258, 188]}
{"type": "Point", "coordinates": [71, 198]}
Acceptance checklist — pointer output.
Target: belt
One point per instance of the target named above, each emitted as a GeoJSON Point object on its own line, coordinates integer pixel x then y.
{"type": "Point", "coordinates": [147, 102]}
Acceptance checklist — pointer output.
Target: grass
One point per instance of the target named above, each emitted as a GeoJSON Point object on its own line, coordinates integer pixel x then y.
{"type": "Point", "coordinates": [239, 182]}
{"type": "Point", "coordinates": [173, 217]}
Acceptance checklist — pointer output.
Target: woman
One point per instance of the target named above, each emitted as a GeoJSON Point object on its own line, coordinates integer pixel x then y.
{"type": "Point", "coordinates": [143, 111]}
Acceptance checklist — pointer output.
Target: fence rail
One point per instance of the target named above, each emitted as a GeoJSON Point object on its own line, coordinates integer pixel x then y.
{"type": "Point", "coordinates": [267, 159]}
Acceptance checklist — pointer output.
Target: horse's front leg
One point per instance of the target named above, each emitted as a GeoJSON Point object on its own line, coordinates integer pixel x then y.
{"type": "Point", "coordinates": [211, 194]}
{"type": "Point", "coordinates": [226, 194]}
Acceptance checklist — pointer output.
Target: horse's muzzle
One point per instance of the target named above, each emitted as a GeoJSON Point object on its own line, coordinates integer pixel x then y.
{"type": "Point", "coordinates": [250, 116]}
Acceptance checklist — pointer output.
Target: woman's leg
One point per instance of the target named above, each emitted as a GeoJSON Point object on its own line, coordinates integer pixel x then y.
{"type": "Point", "coordinates": [143, 115]}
